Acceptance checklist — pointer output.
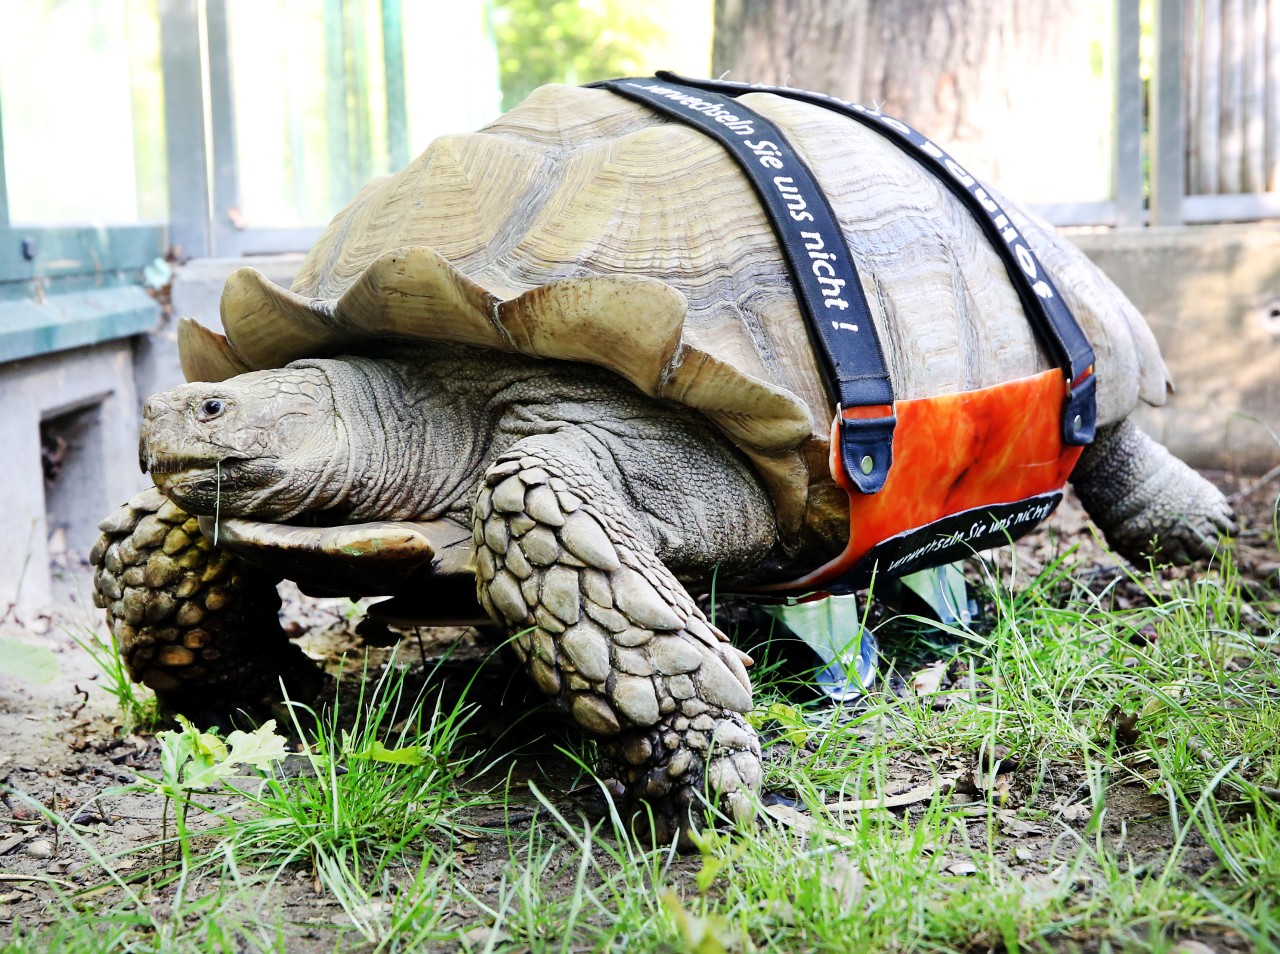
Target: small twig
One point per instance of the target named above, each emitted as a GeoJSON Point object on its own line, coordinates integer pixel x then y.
{"type": "Point", "coordinates": [422, 650]}
{"type": "Point", "coordinates": [1215, 765]}
{"type": "Point", "coordinates": [10, 820]}
{"type": "Point", "coordinates": [14, 876]}
{"type": "Point", "coordinates": [1269, 476]}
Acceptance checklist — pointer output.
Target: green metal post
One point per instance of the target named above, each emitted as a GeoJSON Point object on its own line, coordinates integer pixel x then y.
{"type": "Point", "coordinates": [393, 67]}
{"type": "Point", "coordinates": [4, 192]}
{"type": "Point", "coordinates": [360, 129]}
{"type": "Point", "coordinates": [335, 79]}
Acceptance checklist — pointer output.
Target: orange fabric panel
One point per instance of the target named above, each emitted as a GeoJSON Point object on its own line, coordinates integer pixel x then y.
{"type": "Point", "coordinates": [952, 453]}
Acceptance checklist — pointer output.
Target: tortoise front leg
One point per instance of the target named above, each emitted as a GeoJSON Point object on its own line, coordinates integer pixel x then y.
{"type": "Point", "coordinates": [608, 632]}
{"type": "Point", "coordinates": [196, 624]}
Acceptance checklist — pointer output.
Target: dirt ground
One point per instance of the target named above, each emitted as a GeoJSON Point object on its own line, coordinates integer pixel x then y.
{"type": "Point", "coordinates": [60, 744]}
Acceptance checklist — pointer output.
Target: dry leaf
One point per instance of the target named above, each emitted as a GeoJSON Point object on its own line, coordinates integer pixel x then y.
{"type": "Point", "coordinates": [805, 824]}
{"type": "Point", "coordinates": [928, 680]}
{"type": "Point", "coordinates": [1014, 826]}
{"type": "Point", "coordinates": [844, 881]}
{"type": "Point", "coordinates": [1192, 947]}
{"type": "Point", "coordinates": [921, 793]}
{"type": "Point", "coordinates": [1080, 811]}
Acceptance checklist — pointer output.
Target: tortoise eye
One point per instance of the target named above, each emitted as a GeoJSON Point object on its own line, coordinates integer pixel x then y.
{"type": "Point", "coordinates": [210, 409]}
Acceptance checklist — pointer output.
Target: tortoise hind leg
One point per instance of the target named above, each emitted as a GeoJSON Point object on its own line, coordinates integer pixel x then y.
{"type": "Point", "coordinates": [1137, 492]}
{"type": "Point", "coordinates": [197, 625]}
{"type": "Point", "coordinates": [608, 632]}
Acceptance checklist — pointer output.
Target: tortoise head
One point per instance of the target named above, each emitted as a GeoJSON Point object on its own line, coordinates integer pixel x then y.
{"type": "Point", "coordinates": [259, 444]}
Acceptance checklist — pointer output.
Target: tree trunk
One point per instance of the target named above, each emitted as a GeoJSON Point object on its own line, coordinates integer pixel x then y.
{"type": "Point", "coordinates": [1016, 91]}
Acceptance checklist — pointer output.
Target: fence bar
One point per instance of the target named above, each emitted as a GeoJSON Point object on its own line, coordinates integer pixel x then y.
{"type": "Point", "coordinates": [222, 120]}
{"type": "Point", "coordinates": [1231, 208]}
{"type": "Point", "coordinates": [360, 129]}
{"type": "Point", "coordinates": [4, 192]}
{"type": "Point", "coordinates": [1255, 96]}
{"type": "Point", "coordinates": [335, 81]}
{"type": "Point", "coordinates": [1273, 95]}
{"type": "Point", "coordinates": [1065, 214]}
{"type": "Point", "coordinates": [1168, 141]}
{"type": "Point", "coordinates": [393, 71]}
{"type": "Point", "coordinates": [181, 56]}
{"type": "Point", "coordinates": [1126, 153]}
{"type": "Point", "coordinates": [1231, 156]}
{"type": "Point", "coordinates": [1208, 76]}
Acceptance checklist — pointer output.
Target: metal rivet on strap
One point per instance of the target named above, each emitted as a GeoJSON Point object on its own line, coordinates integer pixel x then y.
{"type": "Point", "coordinates": [867, 464]}
{"type": "Point", "coordinates": [1076, 424]}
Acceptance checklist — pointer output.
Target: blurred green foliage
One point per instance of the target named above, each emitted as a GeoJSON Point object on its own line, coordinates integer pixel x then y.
{"type": "Point", "coordinates": [568, 41]}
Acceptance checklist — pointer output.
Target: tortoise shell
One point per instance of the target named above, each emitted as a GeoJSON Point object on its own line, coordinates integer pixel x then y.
{"type": "Point", "coordinates": [582, 226]}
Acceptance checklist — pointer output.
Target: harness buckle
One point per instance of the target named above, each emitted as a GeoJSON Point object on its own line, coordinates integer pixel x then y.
{"type": "Point", "coordinates": [1080, 410]}
{"type": "Point", "coordinates": [866, 444]}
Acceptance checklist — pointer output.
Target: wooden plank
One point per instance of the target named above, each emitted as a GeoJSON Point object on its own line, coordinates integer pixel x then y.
{"type": "Point", "coordinates": [1206, 140]}
{"type": "Point", "coordinates": [1231, 141]}
{"type": "Point", "coordinates": [1168, 136]}
{"type": "Point", "coordinates": [1126, 155]}
{"type": "Point", "coordinates": [28, 253]}
{"type": "Point", "coordinates": [1254, 171]}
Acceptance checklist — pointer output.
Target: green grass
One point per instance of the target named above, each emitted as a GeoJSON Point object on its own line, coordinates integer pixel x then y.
{"type": "Point", "coordinates": [1098, 832]}
{"type": "Point", "coordinates": [137, 707]}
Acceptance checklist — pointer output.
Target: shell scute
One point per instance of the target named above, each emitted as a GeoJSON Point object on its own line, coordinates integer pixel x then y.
{"type": "Point", "coordinates": [583, 227]}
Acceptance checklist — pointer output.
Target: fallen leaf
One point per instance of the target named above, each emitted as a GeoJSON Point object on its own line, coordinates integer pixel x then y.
{"type": "Point", "coordinates": [928, 680]}
{"type": "Point", "coordinates": [844, 881]}
{"type": "Point", "coordinates": [483, 936]}
{"type": "Point", "coordinates": [700, 935]}
{"type": "Point", "coordinates": [1015, 827]}
{"type": "Point", "coordinates": [805, 824]}
{"type": "Point", "coordinates": [1192, 947]}
{"type": "Point", "coordinates": [1123, 727]}
{"type": "Point", "coordinates": [921, 793]}
{"type": "Point", "coordinates": [1080, 811]}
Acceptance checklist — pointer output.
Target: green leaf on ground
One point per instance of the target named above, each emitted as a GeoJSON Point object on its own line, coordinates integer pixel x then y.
{"type": "Point", "coordinates": [27, 662]}
{"type": "Point", "coordinates": [375, 751]}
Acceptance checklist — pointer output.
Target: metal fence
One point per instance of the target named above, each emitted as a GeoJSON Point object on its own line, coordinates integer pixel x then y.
{"type": "Point", "coordinates": [1212, 140]}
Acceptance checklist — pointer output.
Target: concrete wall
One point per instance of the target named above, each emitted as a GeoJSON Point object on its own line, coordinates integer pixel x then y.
{"type": "Point", "coordinates": [1212, 296]}
{"type": "Point", "coordinates": [82, 404]}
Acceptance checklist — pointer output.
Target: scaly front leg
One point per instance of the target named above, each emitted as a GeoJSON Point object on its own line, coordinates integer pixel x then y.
{"type": "Point", "coordinates": [194, 623]}
{"type": "Point", "coordinates": [607, 631]}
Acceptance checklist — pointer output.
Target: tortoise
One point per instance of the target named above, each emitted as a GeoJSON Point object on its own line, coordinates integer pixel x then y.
{"type": "Point", "coordinates": [562, 357]}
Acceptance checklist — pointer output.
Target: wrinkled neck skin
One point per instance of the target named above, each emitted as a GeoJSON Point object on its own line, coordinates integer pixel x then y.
{"type": "Point", "coordinates": [409, 441]}
{"type": "Point", "coordinates": [447, 412]}
{"type": "Point", "coordinates": [406, 432]}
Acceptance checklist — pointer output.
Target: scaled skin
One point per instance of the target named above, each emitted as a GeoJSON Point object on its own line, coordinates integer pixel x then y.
{"type": "Point", "coordinates": [590, 504]}
{"type": "Point", "coordinates": [377, 438]}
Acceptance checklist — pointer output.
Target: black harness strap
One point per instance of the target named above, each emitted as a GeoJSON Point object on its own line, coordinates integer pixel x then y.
{"type": "Point", "coordinates": [817, 254]}
{"type": "Point", "coordinates": [1041, 301]}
